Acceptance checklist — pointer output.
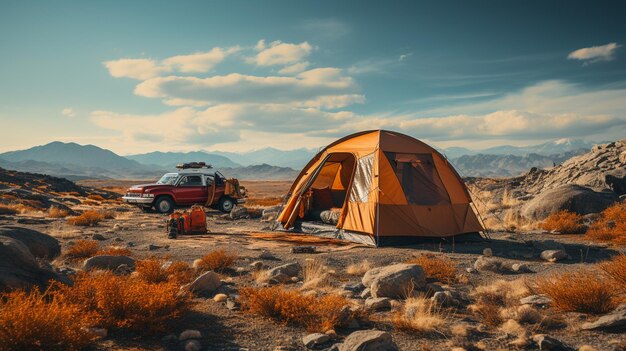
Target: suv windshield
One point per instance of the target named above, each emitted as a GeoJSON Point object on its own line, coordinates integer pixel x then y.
{"type": "Point", "coordinates": [169, 179]}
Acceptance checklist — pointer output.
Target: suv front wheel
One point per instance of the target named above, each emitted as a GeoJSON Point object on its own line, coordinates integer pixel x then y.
{"type": "Point", "coordinates": [164, 205]}
{"type": "Point", "coordinates": [226, 204]}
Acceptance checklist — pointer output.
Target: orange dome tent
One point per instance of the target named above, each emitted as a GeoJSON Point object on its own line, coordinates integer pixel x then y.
{"type": "Point", "coordinates": [385, 187]}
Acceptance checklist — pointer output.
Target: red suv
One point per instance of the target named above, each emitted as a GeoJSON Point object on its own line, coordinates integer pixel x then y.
{"type": "Point", "coordinates": [192, 184]}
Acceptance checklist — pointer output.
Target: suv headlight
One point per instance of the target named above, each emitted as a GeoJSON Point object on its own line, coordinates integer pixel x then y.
{"type": "Point", "coordinates": [147, 195]}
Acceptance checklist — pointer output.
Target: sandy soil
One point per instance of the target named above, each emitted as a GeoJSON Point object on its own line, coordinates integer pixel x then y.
{"type": "Point", "coordinates": [224, 329]}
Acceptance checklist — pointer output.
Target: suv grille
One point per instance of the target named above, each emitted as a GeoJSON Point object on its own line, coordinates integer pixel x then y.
{"type": "Point", "coordinates": [133, 194]}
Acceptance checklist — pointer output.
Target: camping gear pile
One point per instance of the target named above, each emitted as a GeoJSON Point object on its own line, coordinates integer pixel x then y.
{"type": "Point", "coordinates": [382, 187]}
{"type": "Point", "coordinates": [192, 221]}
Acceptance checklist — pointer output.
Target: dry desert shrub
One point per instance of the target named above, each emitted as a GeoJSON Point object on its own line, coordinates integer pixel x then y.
{"type": "Point", "coordinates": [438, 267]}
{"type": "Point", "coordinates": [90, 203]}
{"type": "Point", "coordinates": [36, 321]}
{"type": "Point", "coordinates": [8, 210]}
{"type": "Point", "coordinates": [316, 314]}
{"type": "Point", "coordinates": [492, 298]}
{"type": "Point", "coordinates": [156, 270]}
{"type": "Point", "coordinates": [114, 251]}
{"type": "Point", "coordinates": [82, 249]}
{"type": "Point", "coordinates": [359, 268]}
{"type": "Point", "coordinates": [611, 226]}
{"type": "Point", "coordinates": [315, 274]}
{"type": "Point", "coordinates": [218, 261]}
{"type": "Point", "coordinates": [420, 314]}
{"type": "Point", "coordinates": [616, 269]}
{"type": "Point", "coordinates": [122, 302]}
{"type": "Point", "coordinates": [86, 219]}
{"type": "Point", "coordinates": [579, 291]}
{"type": "Point", "coordinates": [95, 197]}
{"type": "Point", "coordinates": [55, 212]}
{"type": "Point", "coordinates": [564, 222]}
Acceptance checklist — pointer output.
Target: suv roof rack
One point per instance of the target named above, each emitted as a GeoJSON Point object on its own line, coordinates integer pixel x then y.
{"type": "Point", "coordinates": [193, 165]}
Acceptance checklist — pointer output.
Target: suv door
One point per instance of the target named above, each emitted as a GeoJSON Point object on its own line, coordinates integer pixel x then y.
{"type": "Point", "coordinates": [190, 190]}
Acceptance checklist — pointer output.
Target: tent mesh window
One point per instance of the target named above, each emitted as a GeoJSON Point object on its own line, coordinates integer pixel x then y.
{"type": "Point", "coordinates": [419, 178]}
{"type": "Point", "coordinates": [363, 177]}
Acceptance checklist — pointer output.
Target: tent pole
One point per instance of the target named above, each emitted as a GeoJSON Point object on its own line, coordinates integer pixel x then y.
{"type": "Point", "coordinates": [378, 218]}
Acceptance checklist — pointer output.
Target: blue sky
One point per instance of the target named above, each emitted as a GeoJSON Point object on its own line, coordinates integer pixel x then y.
{"type": "Point", "coordinates": [239, 75]}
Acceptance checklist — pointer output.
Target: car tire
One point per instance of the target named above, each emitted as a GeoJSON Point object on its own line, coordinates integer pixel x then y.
{"type": "Point", "coordinates": [226, 204]}
{"type": "Point", "coordinates": [164, 205]}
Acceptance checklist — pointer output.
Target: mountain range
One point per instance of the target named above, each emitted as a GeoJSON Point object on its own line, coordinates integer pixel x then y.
{"type": "Point", "coordinates": [76, 161]}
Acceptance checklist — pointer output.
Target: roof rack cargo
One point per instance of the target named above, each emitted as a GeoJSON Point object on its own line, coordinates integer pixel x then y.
{"type": "Point", "coordinates": [193, 165]}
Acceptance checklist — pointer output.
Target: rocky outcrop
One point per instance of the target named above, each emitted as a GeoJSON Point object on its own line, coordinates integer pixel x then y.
{"type": "Point", "coordinates": [368, 340]}
{"type": "Point", "coordinates": [570, 197]}
{"type": "Point", "coordinates": [39, 244]}
{"type": "Point", "coordinates": [108, 262]}
{"type": "Point", "coordinates": [19, 269]}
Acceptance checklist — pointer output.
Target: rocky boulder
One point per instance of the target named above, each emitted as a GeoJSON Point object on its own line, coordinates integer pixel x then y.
{"type": "Point", "coordinates": [614, 321]}
{"type": "Point", "coordinates": [39, 244]}
{"type": "Point", "coordinates": [570, 197]}
{"type": "Point", "coordinates": [395, 281]}
{"type": "Point", "coordinates": [19, 268]}
{"type": "Point", "coordinates": [205, 284]}
{"type": "Point", "coordinates": [368, 340]}
{"type": "Point", "coordinates": [108, 262]}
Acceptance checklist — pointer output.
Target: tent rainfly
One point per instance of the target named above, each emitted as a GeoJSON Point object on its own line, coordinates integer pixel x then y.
{"type": "Point", "coordinates": [385, 188]}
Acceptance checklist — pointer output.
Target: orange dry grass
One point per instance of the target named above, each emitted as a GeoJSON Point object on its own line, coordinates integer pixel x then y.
{"type": "Point", "coordinates": [55, 212]}
{"type": "Point", "coordinates": [579, 291]}
{"type": "Point", "coordinates": [263, 201]}
{"type": "Point", "coordinates": [564, 222]}
{"type": "Point", "coordinates": [7, 210]}
{"type": "Point", "coordinates": [155, 270]}
{"type": "Point", "coordinates": [316, 314]}
{"type": "Point", "coordinates": [36, 321]}
{"type": "Point", "coordinates": [87, 219]}
{"type": "Point", "coordinates": [438, 267]}
{"type": "Point", "coordinates": [82, 249]}
{"type": "Point", "coordinates": [108, 214]}
{"type": "Point", "coordinates": [123, 302]}
{"type": "Point", "coordinates": [421, 315]}
{"type": "Point", "coordinates": [114, 251]}
{"type": "Point", "coordinates": [611, 226]}
{"type": "Point", "coordinates": [218, 261]}
{"type": "Point", "coordinates": [616, 269]}
{"type": "Point", "coordinates": [95, 197]}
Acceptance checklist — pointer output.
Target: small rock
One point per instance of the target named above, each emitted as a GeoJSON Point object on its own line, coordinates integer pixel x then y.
{"type": "Point", "coordinates": [471, 270]}
{"type": "Point", "coordinates": [366, 293]}
{"type": "Point", "coordinates": [354, 287]}
{"type": "Point", "coordinates": [193, 345]}
{"type": "Point", "coordinates": [190, 334]}
{"type": "Point", "coordinates": [283, 273]}
{"type": "Point", "coordinates": [206, 283]}
{"type": "Point", "coordinates": [153, 247]}
{"type": "Point", "coordinates": [311, 341]}
{"type": "Point", "coordinates": [257, 265]}
{"type": "Point", "coordinates": [432, 288]}
{"type": "Point", "coordinates": [520, 268]}
{"type": "Point", "coordinates": [553, 255]}
{"type": "Point", "coordinates": [266, 255]}
{"type": "Point", "coordinates": [545, 342]}
{"type": "Point", "coordinates": [444, 298]}
{"type": "Point", "coordinates": [378, 303]}
{"type": "Point", "coordinates": [130, 244]}
{"type": "Point", "coordinates": [491, 264]}
{"type": "Point", "coordinates": [487, 252]}
{"type": "Point", "coordinates": [98, 332]}
{"type": "Point", "coordinates": [295, 279]}
{"type": "Point", "coordinates": [394, 280]}
{"type": "Point", "coordinates": [614, 321]}
{"type": "Point", "coordinates": [98, 237]}
{"type": "Point", "coordinates": [536, 300]}
{"type": "Point", "coordinates": [239, 212]}
{"type": "Point", "coordinates": [220, 297]}
{"type": "Point", "coordinates": [108, 262]}
{"type": "Point", "coordinates": [118, 239]}
{"type": "Point", "coordinates": [331, 332]}
{"type": "Point", "coordinates": [303, 249]}
{"type": "Point", "coordinates": [368, 340]}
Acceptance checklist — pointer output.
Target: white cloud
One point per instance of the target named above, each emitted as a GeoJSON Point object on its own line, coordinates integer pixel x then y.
{"type": "Point", "coordinates": [279, 53]}
{"type": "Point", "coordinates": [135, 68]}
{"type": "Point", "coordinates": [201, 61]}
{"type": "Point", "coordinates": [143, 69]}
{"type": "Point", "coordinates": [68, 112]}
{"type": "Point", "coordinates": [236, 87]}
{"type": "Point", "coordinates": [295, 68]}
{"type": "Point", "coordinates": [595, 53]}
{"type": "Point", "coordinates": [405, 56]}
